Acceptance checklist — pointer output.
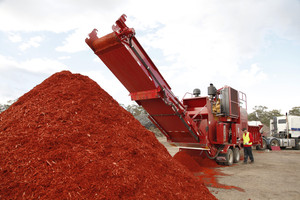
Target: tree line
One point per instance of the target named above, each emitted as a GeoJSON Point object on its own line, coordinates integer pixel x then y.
{"type": "Point", "coordinates": [260, 113]}
{"type": "Point", "coordinates": [5, 106]}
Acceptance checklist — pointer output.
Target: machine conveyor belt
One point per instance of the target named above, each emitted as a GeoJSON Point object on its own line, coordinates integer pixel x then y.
{"type": "Point", "coordinates": [124, 56]}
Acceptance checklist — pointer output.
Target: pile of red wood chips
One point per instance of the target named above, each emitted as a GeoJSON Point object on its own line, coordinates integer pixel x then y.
{"type": "Point", "coordinates": [68, 139]}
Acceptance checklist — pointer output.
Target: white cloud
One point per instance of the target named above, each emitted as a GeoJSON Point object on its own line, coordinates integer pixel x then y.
{"type": "Point", "coordinates": [64, 57]}
{"type": "Point", "coordinates": [7, 62]}
{"type": "Point", "coordinates": [14, 37]}
{"type": "Point", "coordinates": [36, 65]}
{"type": "Point", "coordinates": [208, 25]}
{"type": "Point", "coordinates": [97, 60]}
{"type": "Point", "coordinates": [57, 16]}
{"type": "Point", "coordinates": [18, 77]}
{"type": "Point", "coordinates": [253, 76]}
{"type": "Point", "coordinates": [32, 42]}
{"type": "Point", "coordinates": [75, 42]}
{"type": "Point", "coordinates": [42, 65]}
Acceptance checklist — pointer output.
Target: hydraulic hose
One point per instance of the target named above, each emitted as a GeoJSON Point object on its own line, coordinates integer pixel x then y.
{"type": "Point", "coordinates": [212, 158]}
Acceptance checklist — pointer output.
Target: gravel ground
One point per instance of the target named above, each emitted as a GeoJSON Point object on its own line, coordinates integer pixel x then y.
{"type": "Point", "coordinates": [274, 175]}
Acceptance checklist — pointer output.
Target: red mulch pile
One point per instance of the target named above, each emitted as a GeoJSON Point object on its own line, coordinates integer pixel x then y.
{"type": "Point", "coordinates": [205, 169]}
{"type": "Point", "coordinates": [68, 139]}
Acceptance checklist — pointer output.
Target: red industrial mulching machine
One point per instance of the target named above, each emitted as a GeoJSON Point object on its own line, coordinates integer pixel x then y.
{"type": "Point", "coordinates": [212, 124]}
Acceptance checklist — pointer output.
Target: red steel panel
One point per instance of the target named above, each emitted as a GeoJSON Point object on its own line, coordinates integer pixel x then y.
{"type": "Point", "coordinates": [167, 119]}
{"type": "Point", "coordinates": [143, 95]}
{"type": "Point", "coordinates": [124, 56]}
{"type": "Point", "coordinates": [123, 64]}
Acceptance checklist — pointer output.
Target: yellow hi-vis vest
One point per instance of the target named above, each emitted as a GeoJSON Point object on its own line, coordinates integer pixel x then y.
{"type": "Point", "coordinates": [246, 139]}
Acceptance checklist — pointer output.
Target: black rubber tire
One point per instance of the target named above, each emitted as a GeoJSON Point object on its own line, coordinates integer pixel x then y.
{"type": "Point", "coordinates": [229, 157]}
{"type": "Point", "coordinates": [236, 155]}
{"type": "Point", "coordinates": [274, 142]}
{"type": "Point", "coordinates": [258, 147]}
{"type": "Point", "coordinates": [297, 144]}
{"type": "Point", "coordinates": [220, 163]}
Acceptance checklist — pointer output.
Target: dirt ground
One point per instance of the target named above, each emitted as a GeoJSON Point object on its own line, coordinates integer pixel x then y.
{"type": "Point", "coordinates": [274, 175]}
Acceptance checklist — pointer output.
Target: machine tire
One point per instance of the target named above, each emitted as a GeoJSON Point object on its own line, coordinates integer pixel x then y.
{"type": "Point", "coordinates": [258, 147]}
{"type": "Point", "coordinates": [229, 157]}
{"type": "Point", "coordinates": [236, 155]}
{"type": "Point", "coordinates": [220, 163]}
{"type": "Point", "coordinates": [274, 142]}
{"type": "Point", "coordinates": [297, 144]}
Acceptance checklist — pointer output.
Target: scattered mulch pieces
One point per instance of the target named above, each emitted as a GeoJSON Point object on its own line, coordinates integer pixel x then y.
{"type": "Point", "coordinates": [202, 167]}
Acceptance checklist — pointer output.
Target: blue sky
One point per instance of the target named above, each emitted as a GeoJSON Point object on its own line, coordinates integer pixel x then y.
{"type": "Point", "coordinates": [251, 45]}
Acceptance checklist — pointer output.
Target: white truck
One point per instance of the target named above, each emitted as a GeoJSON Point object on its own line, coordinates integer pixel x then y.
{"type": "Point", "coordinates": [285, 132]}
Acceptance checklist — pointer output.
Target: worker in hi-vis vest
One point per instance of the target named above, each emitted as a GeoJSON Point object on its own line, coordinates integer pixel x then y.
{"type": "Point", "coordinates": [247, 143]}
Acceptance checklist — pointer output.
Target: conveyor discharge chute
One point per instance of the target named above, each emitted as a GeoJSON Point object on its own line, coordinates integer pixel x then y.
{"type": "Point", "coordinates": [124, 56]}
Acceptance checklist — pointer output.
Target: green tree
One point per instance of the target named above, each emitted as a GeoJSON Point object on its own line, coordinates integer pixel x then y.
{"type": "Point", "coordinates": [135, 110]}
{"type": "Point", "coordinates": [262, 114]}
{"type": "Point", "coordinates": [4, 107]}
{"type": "Point", "coordinates": [142, 116]}
{"type": "Point", "coordinates": [295, 111]}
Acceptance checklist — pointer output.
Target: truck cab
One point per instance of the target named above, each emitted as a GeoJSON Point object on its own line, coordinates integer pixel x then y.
{"type": "Point", "coordinates": [285, 132]}
{"type": "Point", "coordinates": [279, 126]}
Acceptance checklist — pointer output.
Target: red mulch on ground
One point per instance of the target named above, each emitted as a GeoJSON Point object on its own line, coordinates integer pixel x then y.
{"type": "Point", "coordinates": [68, 139]}
{"type": "Point", "coordinates": [204, 168]}
{"type": "Point", "coordinates": [275, 148]}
